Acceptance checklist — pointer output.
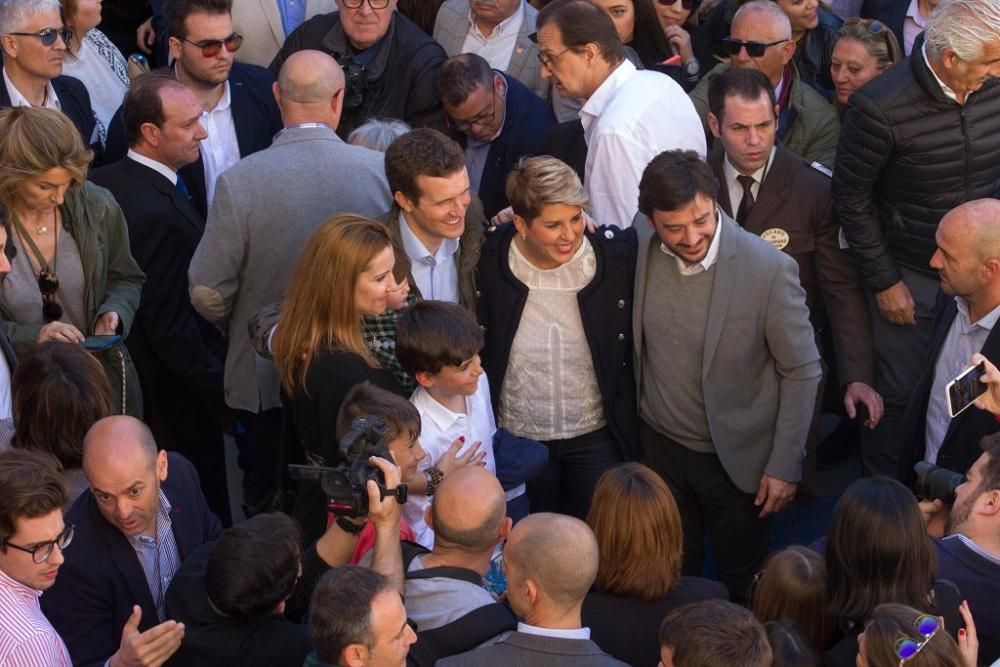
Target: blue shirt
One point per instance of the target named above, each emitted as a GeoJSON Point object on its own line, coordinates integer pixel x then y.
{"type": "Point", "coordinates": [158, 556]}
{"type": "Point", "coordinates": [436, 275]}
{"type": "Point", "coordinates": [293, 13]}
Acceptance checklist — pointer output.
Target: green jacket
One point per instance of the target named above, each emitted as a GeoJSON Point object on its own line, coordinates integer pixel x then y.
{"type": "Point", "coordinates": [810, 127]}
{"type": "Point", "coordinates": [112, 282]}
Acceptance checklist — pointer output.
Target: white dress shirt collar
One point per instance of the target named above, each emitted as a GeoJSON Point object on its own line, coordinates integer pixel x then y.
{"type": "Point", "coordinates": [158, 167]}
{"type": "Point", "coordinates": [733, 184]}
{"type": "Point", "coordinates": [510, 24]}
{"type": "Point", "coordinates": [706, 263]}
{"type": "Point", "coordinates": [945, 88]}
{"type": "Point", "coordinates": [987, 321]}
{"type": "Point", "coordinates": [19, 100]}
{"type": "Point", "coordinates": [597, 102]}
{"type": "Point", "coordinates": [574, 633]}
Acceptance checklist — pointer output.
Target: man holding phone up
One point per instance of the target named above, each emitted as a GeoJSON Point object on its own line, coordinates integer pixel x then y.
{"type": "Point", "coordinates": [968, 262]}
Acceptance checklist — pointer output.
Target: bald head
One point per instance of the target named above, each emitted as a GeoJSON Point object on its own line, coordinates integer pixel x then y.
{"type": "Point", "coordinates": [118, 438]}
{"type": "Point", "coordinates": [469, 510]}
{"type": "Point", "coordinates": [977, 224]}
{"type": "Point", "coordinates": [557, 552]}
{"type": "Point", "coordinates": [309, 77]}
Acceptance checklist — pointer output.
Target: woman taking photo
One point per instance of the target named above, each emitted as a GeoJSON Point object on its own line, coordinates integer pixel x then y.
{"type": "Point", "coordinates": [556, 307]}
{"type": "Point", "coordinates": [864, 49]}
{"type": "Point", "coordinates": [639, 538]}
{"type": "Point", "coordinates": [72, 275]}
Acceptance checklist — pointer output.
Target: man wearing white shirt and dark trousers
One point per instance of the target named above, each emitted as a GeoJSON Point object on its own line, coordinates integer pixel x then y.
{"type": "Point", "coordinates": [629, 116]}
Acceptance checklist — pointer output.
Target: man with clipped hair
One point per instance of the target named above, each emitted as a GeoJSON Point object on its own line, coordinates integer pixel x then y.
{"type": "Point", "coordinates": [712, 633]}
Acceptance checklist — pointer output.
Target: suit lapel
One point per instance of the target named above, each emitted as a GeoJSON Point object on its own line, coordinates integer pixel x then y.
{"type": "Point", "coordinates": [126, 561]}
{"type": "Point", "coordinates": [722, 286]}
{"type": "Point", "coordinates": [160, 182]}
{"type": "Point", "coordinates": [238, 103]}
{"type": "Point", "coordinates": [715, 159]}
{"type": "Point", "coordinates": [270, 9]}
{"type": "Point", "coordinates": [645, 236]}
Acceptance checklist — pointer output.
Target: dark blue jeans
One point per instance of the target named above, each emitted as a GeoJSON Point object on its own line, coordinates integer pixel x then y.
{"type": "Point", "coordinates": [567, 483]}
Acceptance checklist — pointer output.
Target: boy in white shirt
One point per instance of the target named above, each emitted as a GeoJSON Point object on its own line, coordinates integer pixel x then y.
{"type": "Point", "coordinates": [438, 343]}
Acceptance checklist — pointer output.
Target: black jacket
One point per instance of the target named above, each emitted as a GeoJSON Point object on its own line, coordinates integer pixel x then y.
{"type": "Point", "coordinates": [814, 53]}
{"type": "Point", "coordinates": [401, 82]}
{"type": "Point", "coordinates": [907, 155]}
{"type": "Point", "coordinates": [74, 101]}
{"type": "Point", "coordinates": [255, 117]}
{"type": "Point", "coordinates": [605, 308]}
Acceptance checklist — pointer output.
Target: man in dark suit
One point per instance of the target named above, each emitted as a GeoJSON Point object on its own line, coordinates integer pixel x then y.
{"type": "Point", "coordinates": [501, 119]}
{"type": "Point", "coordinates": [133, 530]}
{"type": "Point", "coordinates": [789, 206]}
{"type": "Point", "coordinates": [178, 354]}
{"type": "Point", "coordinates": [33, 49]}
{"type": "Point", "coordinates": [967, 260]}
{"type": "Point", "coordinates": [239, 111]}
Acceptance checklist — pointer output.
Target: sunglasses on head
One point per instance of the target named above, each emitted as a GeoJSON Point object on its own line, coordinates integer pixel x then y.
{"type": "Point", "coordinates": [874, 27]}
{"type": "Point", "coordinates": [686, 4]}
{"type": "Point", "coordinates": [48, 35]}
{"type": "Point", "coordinates": [48, 285]}
{"type": "Point", "coordinates": [907, 648]}
{"type": "Point", "coordinates": [733, 46]}
{"type": "Point", "coordinates": [211, 47]}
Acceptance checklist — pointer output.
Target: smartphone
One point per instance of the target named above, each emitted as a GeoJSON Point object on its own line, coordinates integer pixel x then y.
{"type": "Point", "coordinates": [97, 343]}
{"type": "Point", "coordinates": [965, 389]}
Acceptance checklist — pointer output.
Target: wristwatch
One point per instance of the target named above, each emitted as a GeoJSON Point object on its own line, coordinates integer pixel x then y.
{"type": "Point", "coordinates": [434, 477]}
{"type": "Point", "coordinates": [692, 69]}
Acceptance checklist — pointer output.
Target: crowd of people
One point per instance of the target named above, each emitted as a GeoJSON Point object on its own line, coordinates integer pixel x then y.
{"type": "Point", "coordinates": [521, 319]}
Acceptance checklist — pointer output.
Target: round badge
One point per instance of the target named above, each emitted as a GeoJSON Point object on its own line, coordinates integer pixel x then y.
{"type": "Point", "coordinates": [776, 236]}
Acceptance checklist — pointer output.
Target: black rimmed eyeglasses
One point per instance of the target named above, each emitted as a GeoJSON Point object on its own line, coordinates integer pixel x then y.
{"type": "Point", "coordinates": [40, 552]}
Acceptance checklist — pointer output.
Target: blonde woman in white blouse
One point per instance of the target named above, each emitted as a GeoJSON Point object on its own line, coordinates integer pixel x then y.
{"type": "Point", "coordinates": [94, 60]}
{"type": "Point", "coordinates": [556, 305]}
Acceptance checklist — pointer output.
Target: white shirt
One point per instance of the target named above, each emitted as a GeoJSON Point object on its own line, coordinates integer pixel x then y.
{"type": "Point", "coordinates": [945, 88]}
{"type": "Point", "coordinates": [19, 100]}
{"type": "Point", "coordinates": [498, 48]}
{"type": "Point", "coordinates": [707, 261]}
{"type": "Point", "coordinates": [220, 150]}
{"type": "Point", "coordinates": [913, 25]}
{"type": "Point", "coordinates": [158, 167]}
{"type": "Point", "coordinates": [439, 427]}
{"type": "Point", "coordinates": [436, 274]}
{"type": "Point", "coordinates": [631, 118]}
{"type": "Point", "coordinates": [736, 188]}
{"type": "Point", "coordinates": [963, 340]}
{"type": "Point", "coordinates": [574, 633]}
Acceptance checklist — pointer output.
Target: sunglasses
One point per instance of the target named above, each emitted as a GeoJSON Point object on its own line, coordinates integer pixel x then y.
{"type": "Point", "coordinates": [374, 4]}
{"type": "Point", "coordinates": [48, 285]}
{"type": "Point", "coordinates": [689, 5]}
{"type": "Point", "coordinates": [211, 47]}
{"type": "Point", "coordinates": [41, 552]}
{"type": "Point", "coordinates": [907, 648]}
{"type": "Point", "coordinates": [874, 27]}
{"type": "Point", "coordinates": [48, 35]}
{"type": "Point", "coordinates": [732, 46]}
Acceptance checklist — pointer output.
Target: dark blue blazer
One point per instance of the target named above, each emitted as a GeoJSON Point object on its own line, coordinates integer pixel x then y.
{"type": "Point", "coordinates": [891, 13]}
{"type": "Point", "coordinates": [255, 115]}
{"type": "Point", "coordinates": [74, 100]}
{"type": "Point", "coordinates": [960, 447]}
{"type": "Point", "coordinates": [102, 578]}
{"type": "Point", "coordinates": [525, 129]}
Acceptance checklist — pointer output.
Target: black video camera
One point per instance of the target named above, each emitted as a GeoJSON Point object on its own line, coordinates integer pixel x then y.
{"type": "Point", "coordinates": [355, 84]}
{"type": "Point", "coordinates": [346, 485]}
{"type": "Point", "coordinates": [934, 483]}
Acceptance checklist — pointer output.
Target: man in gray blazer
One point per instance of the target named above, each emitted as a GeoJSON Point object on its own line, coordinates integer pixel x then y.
{"type": "Point", "coordinates": [726, 367]}
{"type": "Point", "coordinates": [551, 562]}
{"type": "Point", "coordinates": [483, 27]}
{"type": "Point", "coordinates": [265, 208]}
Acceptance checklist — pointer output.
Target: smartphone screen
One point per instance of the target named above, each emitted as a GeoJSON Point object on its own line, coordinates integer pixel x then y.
{"type": "Point", "coordinates": [96, 343]}
{"type": "Point", "coordinates": [965, 389]}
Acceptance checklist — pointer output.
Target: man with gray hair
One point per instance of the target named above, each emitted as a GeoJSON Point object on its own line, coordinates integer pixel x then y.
{"type": "Point", "coordinates": [34, 41]}
{"type": "Point", "coordinates": [551, 562]}
{"type": "Point", "coordinates": [917, 142]}
{"type": "Point", "coordinates": [265, 208]}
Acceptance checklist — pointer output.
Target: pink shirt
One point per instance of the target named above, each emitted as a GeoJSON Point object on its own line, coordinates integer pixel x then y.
{"type": "Point", "coordinates": [27, 639]}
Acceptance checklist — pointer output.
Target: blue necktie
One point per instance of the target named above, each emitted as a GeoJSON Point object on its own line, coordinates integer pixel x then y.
{"type": "Point", "coordinates": [182, 186]}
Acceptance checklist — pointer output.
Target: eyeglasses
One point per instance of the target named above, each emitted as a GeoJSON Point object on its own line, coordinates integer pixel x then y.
{"type": "Point", "coordinates": [211, 47]}
{"type": "Point", "coordinates": [907, 647]}
{"type": "Point", "coordinates": [482, 118]}
{"type": "Point", "coordinates": [374, 4]}
{"type": "Point", "coordinates": [48, 285]}
{"type": "Point", "coordinates": [48, 35]}
{"type": "Point", "coordinates": [689, 5]}
{"type": "Point", "coordinates": [547, 60]}
{"type": "Point", "coordinates": [733, 46]}
{"type": "Point", "coordinates": [41, 552]}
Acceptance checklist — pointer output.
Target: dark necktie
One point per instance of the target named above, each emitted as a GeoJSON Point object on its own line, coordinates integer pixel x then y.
{"type": "Point", "coordinates": [182, 186]}
{"type": "Point", "coordinates": [746, 204]}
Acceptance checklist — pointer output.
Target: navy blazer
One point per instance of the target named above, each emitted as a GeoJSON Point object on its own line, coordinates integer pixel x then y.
{"type": "Point", "coordinates": [255, 116]}
{"type": "Point", "coordinates": [74, 101]}
{"type": "Point", "coordinates": [102, 578]}
{"type": "Point", "coordinates": [605, 308]}
{"type": "Point", "coordinates": [526, 126]}
{"type": "Point", "coordinates": [960, 447]}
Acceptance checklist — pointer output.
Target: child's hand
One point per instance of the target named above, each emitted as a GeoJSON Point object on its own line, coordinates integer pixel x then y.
{"type": "Point", "coordinates": [452, 461]}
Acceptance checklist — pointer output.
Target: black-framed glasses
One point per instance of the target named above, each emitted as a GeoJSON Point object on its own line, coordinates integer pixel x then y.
{"type": "Point", "coordinates": [733, 46]}
{"type": "Point", "coordinates": [482, 118]}
{"type": "Point", "coordinates": [688, 5]}
{"type": "Point", "coordinates": [48, 35]}
{"type": "Point", "coordinates": [374, 4]}
{"type": "Point", "coordinates": [547, 60]}
{"type": "Point", "coordinates": [41, 551]}
{"type": "Point", "coordinates": [48, 285]}
{"type": "Point", "coordinates": [211, 47]}
{"type": "Point", "coordinates": [907, 648]}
